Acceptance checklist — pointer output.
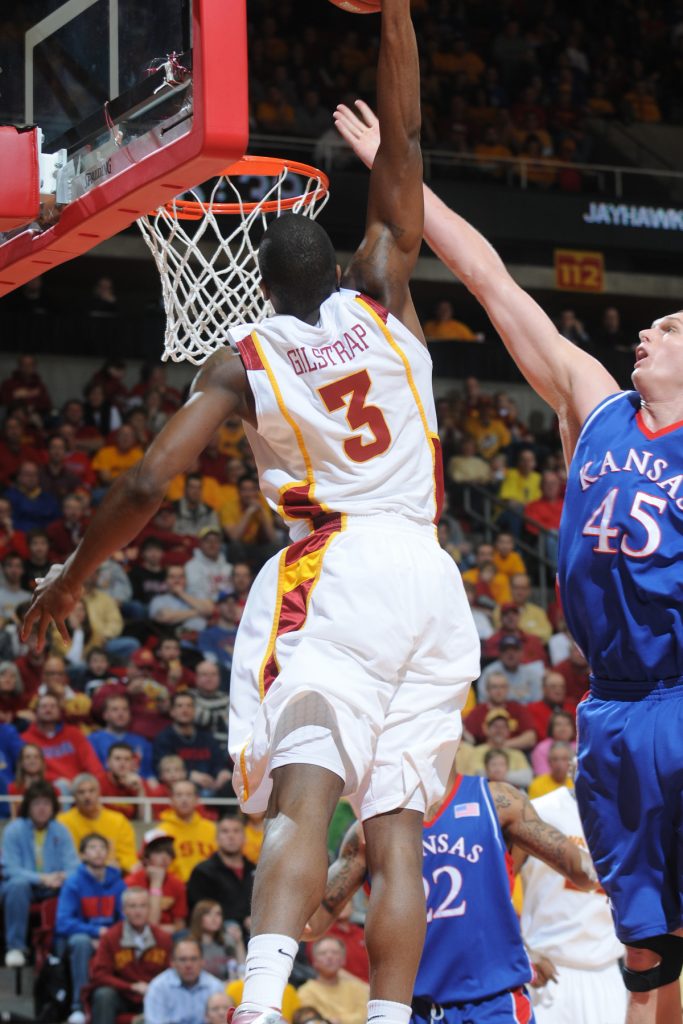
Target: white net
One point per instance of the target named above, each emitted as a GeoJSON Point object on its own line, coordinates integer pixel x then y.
{"type": "Point", "coordinates": [206, 258]}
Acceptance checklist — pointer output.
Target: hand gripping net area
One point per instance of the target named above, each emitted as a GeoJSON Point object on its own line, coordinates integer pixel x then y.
{"type": "Point", "coordinates": [205, 251]}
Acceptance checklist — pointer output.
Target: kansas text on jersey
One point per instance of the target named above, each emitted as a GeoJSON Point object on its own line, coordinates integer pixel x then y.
{"type": "Point", "coordinates": [621, 545]}
{"type": "Point", "coordinates": [473, 948]}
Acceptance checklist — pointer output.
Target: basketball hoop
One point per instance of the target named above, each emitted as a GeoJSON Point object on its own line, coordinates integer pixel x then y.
{"type": "Point", "coordinates": [209, 276]}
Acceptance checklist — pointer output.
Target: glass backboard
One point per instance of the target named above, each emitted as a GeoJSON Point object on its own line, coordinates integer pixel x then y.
{"type": "Point", "coordinates": [135, 101]}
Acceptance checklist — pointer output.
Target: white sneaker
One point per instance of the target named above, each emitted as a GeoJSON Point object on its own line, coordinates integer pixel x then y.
{"type": "Point", "coordinates": [76, 1017]}
{"type": "Point", "coordinates": [15, 958]}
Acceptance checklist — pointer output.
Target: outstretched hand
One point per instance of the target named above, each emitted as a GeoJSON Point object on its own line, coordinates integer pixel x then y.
{"type": "Point", "coordinates": [52, 601]}
{"type": "Point", "coordinates": [360, 130]}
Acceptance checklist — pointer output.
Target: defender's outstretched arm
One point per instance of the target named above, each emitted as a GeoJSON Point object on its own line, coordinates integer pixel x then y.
{"type": "Point", "coordinates": [566, 377]}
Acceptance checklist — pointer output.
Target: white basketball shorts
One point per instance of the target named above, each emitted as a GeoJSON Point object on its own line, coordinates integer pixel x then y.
{"type": "Point", "coordinates": [588, 995]}
{"type": "Point", "coordinates": [355, 653]}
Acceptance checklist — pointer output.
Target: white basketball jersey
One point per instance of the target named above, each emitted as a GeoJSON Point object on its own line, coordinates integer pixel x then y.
{"type": "Point", "coordinates": [345, 412]}
{"type": "Point", "coordinates": [571, 927]}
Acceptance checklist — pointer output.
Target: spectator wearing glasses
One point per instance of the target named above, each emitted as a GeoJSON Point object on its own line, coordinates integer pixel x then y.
{"type": "Point", "coordinates": [181, 992]}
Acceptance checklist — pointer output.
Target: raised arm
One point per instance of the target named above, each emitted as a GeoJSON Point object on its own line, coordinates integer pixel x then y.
{"type": "Point", "coordinates": [523, 829]}
{"type": "Point", "coordinates": [344, 877]}
{"type": "Point", "coordinates": [570, 380]}
{"type": "Point", "coordinates": [219, 390]}
{"type": "Point", "coordinates": [566, 377]}
{"type": "Point", "coordinates": [395, 220]}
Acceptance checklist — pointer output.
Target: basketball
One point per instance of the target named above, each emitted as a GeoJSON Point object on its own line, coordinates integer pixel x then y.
{"type": "Point", "coordinates": [358, 6]}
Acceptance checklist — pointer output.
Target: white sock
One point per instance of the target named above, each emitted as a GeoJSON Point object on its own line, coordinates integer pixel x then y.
{"type": "Point", "coordinates": [269, 963]}
{"type": "Point", "coordinates": [385, 1012]}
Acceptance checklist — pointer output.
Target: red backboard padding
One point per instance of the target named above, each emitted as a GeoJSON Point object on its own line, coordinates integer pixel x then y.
{"type": "Point", "coordinates": [19, 177]}
{"type": "Point", "coordinates": [218, 138]}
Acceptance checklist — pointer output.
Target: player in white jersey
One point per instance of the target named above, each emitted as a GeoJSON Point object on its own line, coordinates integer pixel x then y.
{"type": "Point", "coordinates": [574, 930]}
{"type": "Point", "coordinates": [347, 518]}
{"type": "Point", "coordinates": [357, 646]}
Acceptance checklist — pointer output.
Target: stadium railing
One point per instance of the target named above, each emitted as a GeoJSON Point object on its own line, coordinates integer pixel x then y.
{"type": "Point", "coordinates": [615, 180]}
{"type": "Point", "coordinates": [146, 802]}
{"type": "Point", "coordinates": [483, 509]}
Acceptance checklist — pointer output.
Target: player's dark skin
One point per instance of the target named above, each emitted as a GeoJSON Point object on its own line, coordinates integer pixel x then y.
{"type": "Point", "coordinates": [291, 876]}
{"type": "Point", "coordinates": [523, 830]}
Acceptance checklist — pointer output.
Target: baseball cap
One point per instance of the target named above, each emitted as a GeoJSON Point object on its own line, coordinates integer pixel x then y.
{"type": "Point", "coordinates": [509, 641]}
{"type": "Point", "coordinates": [153, 836]}
{"type": "Point", "coordinates": [143, 657]}
{"type": "Point", "coordinates": [224, 595]}
{"type": "Point", "coordinates": [495, 713]}
{"type": "Point", "coordinates": [206, 530]}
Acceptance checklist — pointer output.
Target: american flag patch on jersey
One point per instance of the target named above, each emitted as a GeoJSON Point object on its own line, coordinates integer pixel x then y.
{"type": "Point", "coordinates": [466, 810]}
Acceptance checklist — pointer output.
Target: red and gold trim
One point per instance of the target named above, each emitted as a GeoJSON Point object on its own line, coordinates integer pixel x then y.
{"type": "Point", "coordinates": [438, 475]}
{"type": "Point", "coordinates": [377, 308]}
{"type": "Point", "coordinates": [251, 359]}
{"type": "Point", "coordinates": [244, 795]}
{"type": "Point", "coordinates": [299, 571]}
{"type": "Point", "coordinates": [298, 497]}
{"type": "Point", "coordinates": [376, 312]}
{"type": "Point", "coordinates": [296, 502]}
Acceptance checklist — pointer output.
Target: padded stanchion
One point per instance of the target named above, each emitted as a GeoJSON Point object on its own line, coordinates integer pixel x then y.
{"type": "Point", "coordinates": [19, 177]}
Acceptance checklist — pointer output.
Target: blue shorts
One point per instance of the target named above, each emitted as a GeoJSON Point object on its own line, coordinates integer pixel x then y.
{"type": "Point", "coordinates": [512, 1007]}
{"type": "Point", "coordinates": [629, 789]}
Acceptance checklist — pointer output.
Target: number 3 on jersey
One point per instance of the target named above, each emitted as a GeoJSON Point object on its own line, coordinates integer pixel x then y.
{"type": "Point", "coordinates": [350, 393]}
{"type": "Point", "coordinates": [599, 525]}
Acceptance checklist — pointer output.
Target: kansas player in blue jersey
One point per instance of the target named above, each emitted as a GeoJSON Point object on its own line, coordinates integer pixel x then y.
{"type": "Point", "coordinates": [621, 578]}
{"type": "Point", "coordinates": [474, 966]}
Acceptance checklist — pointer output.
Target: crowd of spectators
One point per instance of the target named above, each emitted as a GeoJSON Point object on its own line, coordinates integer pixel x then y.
{"type": "Point", "coordinates": [519, 724]}
{"type": "Point", "coordinates": [153, 916]}
{"type": "Point", "coordinates": [113, 744]}
{"type": "Point", "coordinates": [503, 80]}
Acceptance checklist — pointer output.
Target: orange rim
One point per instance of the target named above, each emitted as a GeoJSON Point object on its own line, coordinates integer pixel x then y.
{"type": "Point", "coordinates": [191, 209]}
